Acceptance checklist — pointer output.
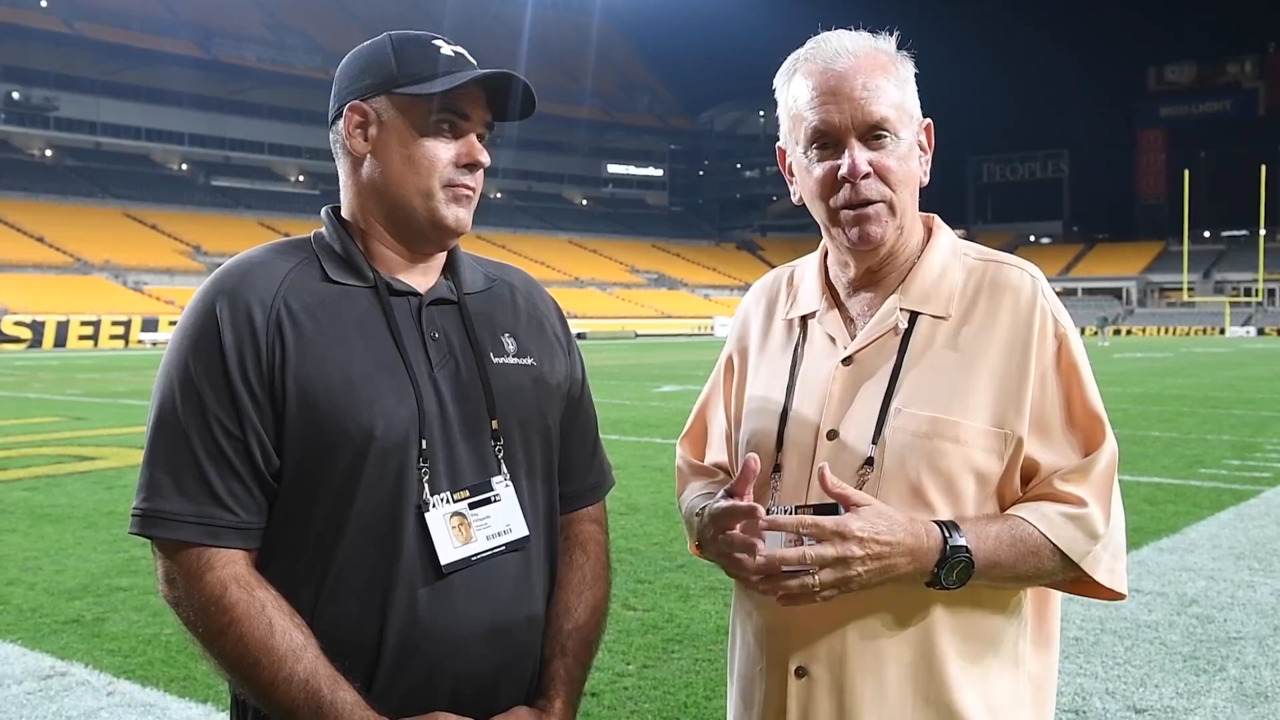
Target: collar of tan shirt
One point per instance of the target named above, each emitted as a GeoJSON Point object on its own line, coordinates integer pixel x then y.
{"type": "Point", "coordinates": [930, 287]}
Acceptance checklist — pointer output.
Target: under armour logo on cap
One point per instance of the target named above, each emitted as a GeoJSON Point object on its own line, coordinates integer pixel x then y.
{"type": "Point", "coordinates": [447, 48]}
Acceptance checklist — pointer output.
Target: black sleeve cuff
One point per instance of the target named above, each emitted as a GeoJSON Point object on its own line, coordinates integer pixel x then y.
{"type": "Point", "coordinates": [196, 532]}
{"type": "Point", "coordinates": [588, 497]}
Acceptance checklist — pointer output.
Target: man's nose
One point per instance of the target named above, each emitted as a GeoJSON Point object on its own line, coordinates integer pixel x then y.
{"type": "Point", "coordinates": [473, 155]}
{"type": "Point", "coordinates": [855, 165]}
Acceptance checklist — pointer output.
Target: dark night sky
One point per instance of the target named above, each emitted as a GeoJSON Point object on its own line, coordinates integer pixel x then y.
{"type": "Point", "coordinates": [995, 76]}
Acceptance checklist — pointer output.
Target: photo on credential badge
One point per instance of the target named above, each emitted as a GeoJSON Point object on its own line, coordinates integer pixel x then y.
{"type": "Point", "coordinates": [775, 540]}
{"type": "Point", "coordinates": [476, 523]}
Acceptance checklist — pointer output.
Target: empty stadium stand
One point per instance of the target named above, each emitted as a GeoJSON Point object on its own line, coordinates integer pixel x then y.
{"type": "Point", "coordinates": [723, 258]}
{"type": "Point", "coordinates": [102, 236]}
{"type": "Point", "coordinates": [564, 256]}
{"type": "Point", "coordinates": [596, 303]}
{"type": "Point", "coordinates": [782, 250]}
{"type": "Point", "coordinates": [1199, 258]}
{"type": "Point", "coordinates": [1115, 259]}
{"type": "Point", "coordinates": [179, 296]}
{"type": "Point", "coordinates": [215, 234]}
{"type": "Point", "coordinates": [647, 257]}
{"type": "Point", "coordinates": [18, 250]}
{"type": "Point", "coordinates": [81, 294]}
{"type": "Point", "coordinates": [1051, 259]}
{"type": "Point", "coordinates": [674, 303]}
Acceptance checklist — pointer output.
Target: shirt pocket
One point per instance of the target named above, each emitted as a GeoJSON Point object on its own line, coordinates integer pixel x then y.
{"type": "Point", "coordinates": [941, 467]}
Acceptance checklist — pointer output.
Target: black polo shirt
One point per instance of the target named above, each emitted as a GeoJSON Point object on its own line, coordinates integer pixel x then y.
{"type": "Point", "coordinates": [283, 421]}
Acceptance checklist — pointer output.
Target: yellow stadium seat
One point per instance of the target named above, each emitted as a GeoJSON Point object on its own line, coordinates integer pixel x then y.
{"type": "Point", "coordinates": [18, 249]}
{"type": "Point", "coordinates": [80, 294]}
{"type": "Point", "coordinates": [290, 227]}
{"type": "Point", "coordinates": [214, 233]}
{"type": "Point", "coordinates": [997, 241]}
{"type": "Point", "coordinates": [782, 250]}
{"type": "Point", "coordinates": [101, 236]}
{"type": "Point", "coordinates": [596, 303]}
{"type": "Point", "coordinates": [484, 248]}
{"type": "Point", "coordinates": [729, 301]}
{"type": "Point", "coordinates": [180, 296]}
{"type": "Point", "coordinates": [648, 257]}
{"type": "Point", "coordinates": [1118, 259]}
{"type": "Point", "coordinates": [725, 259]}
{"type": "Point", "coordinates": [674, 303]}
{"type": "Point", "coordinates": [566, 257]}
{"type": "Point", "coordinates": [1051, 259]}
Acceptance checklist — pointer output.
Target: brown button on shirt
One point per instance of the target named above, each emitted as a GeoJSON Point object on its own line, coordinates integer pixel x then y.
{"type": "Point", "coordinates": [996, 411]}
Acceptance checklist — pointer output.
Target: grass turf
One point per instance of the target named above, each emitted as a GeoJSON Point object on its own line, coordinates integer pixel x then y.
{"type": "Point", "coordinates": [74, 585]}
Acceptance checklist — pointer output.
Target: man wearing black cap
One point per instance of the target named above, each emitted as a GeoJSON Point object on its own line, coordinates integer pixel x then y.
{"type": "Point", "coordinates": [329, 402]}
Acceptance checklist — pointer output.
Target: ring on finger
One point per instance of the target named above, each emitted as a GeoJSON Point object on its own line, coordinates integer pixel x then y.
{"type": "Point", "coordinates": [815, 582]}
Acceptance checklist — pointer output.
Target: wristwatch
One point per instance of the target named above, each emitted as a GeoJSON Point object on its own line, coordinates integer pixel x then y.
{"type": "Point", "coordinates": [955, 566]}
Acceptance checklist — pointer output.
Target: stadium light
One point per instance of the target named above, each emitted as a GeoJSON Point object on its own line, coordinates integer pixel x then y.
{"type": "Point", "coordinates": [184, 167]}
{"type": "Point", "coordinates": [15, 95]}
{"type": "Point", "coordinates": [1206, 233]}
{"type": "Point", "coordinates": [302, 178]}
{"type": "Point", "coordinates": [702, 172]}
{"type": "Point", "coordinates": [498, 195]}
{"type": "Point", "coordinates": [761, 113]}
{"type": "Point", "coordinates": [48, 152]}
{"type": "Point", "coordinates": [1031, 238]}
{"type": "Point", "coordinates": [739, 166]}
{"type": "Point", "coordinates": [584, 202]}
{"type": "Point", "coordinates": [44, 3]}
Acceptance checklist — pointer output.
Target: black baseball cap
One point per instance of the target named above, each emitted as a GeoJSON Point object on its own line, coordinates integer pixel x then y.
{"type": "Point", "coordinates": [412, 62]}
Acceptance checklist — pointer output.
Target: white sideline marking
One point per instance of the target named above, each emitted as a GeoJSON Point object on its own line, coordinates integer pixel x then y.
{"type": "Point", "coordinates": [1192, 483]}
{"type": "Point", "coordinates": [1265, 455]}
{"type": "Point", "coordinates": [1182, 436]}
{"type": "Point", "coordinates": [1142, 355]}
{"type": "Point", "coordinates": [35, 686]}
{"type": "Point", "coordinates": [610, 401]}
{"type": "Point", "coordinates": [676, 388]}
{"type": "Point", "coordinates": [77, 398]}
{"type": "Point", "coordinates": [1252, 462]}
{"type": "Point", "coordinates": [1199, 635]}
{"type": "Point", "coordinates": [50, 355]}
{"type": "Point", "coordinates": [1209, 350]}
{"type": "Point", "coordinates": [1225, 411]}
{"type": "Point", "coordinates": [1236, 473]}
{"type": "Point", "coordinates": [632, 438]}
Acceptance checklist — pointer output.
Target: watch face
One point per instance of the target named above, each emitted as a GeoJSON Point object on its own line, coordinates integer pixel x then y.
{"type": "Point", "coordinates": [956, 572]}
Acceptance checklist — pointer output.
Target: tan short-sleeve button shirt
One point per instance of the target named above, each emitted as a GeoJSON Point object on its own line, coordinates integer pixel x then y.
{"type": "Point", "coordinates": [996, 411]}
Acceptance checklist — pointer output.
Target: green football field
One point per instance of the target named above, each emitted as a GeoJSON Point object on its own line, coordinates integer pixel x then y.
{"type": "Point", "coordinates": [1198, 421]}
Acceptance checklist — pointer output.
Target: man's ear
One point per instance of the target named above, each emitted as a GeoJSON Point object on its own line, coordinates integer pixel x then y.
{"type": "Point", "coordinates": [360, 125]}
{"type": "Point", "coordinates": [788, 173]}
{"type": "Point", "coordinates": [924, 139]}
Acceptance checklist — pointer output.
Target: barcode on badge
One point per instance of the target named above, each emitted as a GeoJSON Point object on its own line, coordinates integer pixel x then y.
{"type": "Point", "coordinates": [500, 534]}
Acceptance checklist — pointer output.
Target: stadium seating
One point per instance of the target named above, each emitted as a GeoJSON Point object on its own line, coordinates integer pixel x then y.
{"type": "Point", "coordinates": [1172, 317]}
{"type": "Point", "coordinates": [782, 250]}
{"type": "Point", "coordinates": [102, 236]}
{"type": "Point", "coordinates": [179, 296]}
{"type": "Point", "coordinates": [1243, 258]}
{"type": "Point", "coordinates": [1086, 310]}
{"type": "Point", "coordinates": [649, 258]}
{"type": "Point", "coordinates": [560, 254]}
{"type": "Point", "coordinates": [1199, 259]}
{"type": "Point", "coordinates": [1117, 259]}
{"type": "Point", "coordinates": [215, 234]}
{"type": "Point", "coordinates": [289, 227]}
{"type": "Point", "coordinates": [538, 270]}
{"type": "Point", "coordinates": [87, 294]}
{"type": "Point", "coordinates": [674, 303]}
{"type": "Point", "coordinates": [726, 259]}
{"type": "Point", "coordinates": [19, 250]}
{"type": "Point", "coordinates": [596, 303]}
{"type": "Point", "coordinates": [1051, 259]}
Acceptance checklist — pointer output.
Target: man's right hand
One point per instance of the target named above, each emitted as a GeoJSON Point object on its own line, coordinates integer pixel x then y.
{"type": "Point", "coordinates": [727, 531]}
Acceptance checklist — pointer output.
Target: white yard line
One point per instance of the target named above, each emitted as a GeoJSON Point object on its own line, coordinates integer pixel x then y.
{"type": "Point", "coordinates": [1169, 408]}
{"type": "Point", "coordinates": [1235, 473]}
{"type": "Point", "coordinates": [1199, 636]}
{"type": "Point", "coordinates": [1192, 483]}
{"type": "Point", "coordinates": [75, 398]}
{"type": "Point", "coordinates": [1183, 436]}
{"type": "Point", "coordinates": [1254, 463]}
{"type": "Point", "coordinates": [35, 686]}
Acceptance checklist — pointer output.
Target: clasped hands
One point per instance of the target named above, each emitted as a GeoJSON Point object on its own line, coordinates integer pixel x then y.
{"type": "Point", "coordinates": [871, 544]}
{"type": "Point", "coordinates": [518, 713]}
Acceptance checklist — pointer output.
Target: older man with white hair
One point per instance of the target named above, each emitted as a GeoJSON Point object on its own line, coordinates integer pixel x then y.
{"type": "Point", "coordinates": [941, 465]}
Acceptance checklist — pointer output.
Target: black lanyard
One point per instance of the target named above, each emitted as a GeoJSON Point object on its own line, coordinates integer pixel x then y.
{"type": "Point", "coordinates": [868, 465]}
{"type": "Point", "coordinates": [424, 458]}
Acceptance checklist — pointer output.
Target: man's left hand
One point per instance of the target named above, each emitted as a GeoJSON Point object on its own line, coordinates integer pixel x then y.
{"type": "Point", "coordinates": [869, 545]}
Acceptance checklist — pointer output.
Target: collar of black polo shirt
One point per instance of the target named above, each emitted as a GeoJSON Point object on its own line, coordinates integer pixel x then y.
{"type": "Point", "coordinates": [344, 262]}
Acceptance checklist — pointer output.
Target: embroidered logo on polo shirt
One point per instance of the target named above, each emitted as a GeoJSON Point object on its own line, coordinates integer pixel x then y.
{"type": "Point", "coordinates": [509, 344]}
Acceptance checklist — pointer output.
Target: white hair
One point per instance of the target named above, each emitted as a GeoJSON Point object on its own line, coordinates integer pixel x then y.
{"type": "Point", "coordinates": [836, 50]}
